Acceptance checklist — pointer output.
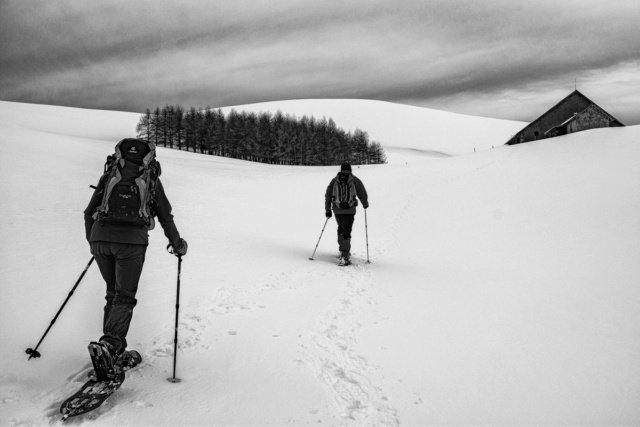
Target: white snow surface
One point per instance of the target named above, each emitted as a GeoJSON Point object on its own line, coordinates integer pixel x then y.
{"type": "Point", "coordinates": [503, 288]}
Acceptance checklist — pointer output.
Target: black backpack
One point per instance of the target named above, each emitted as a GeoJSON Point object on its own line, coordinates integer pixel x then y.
{"type": "Point", "coordinates": [344, 191]}
{"type": "Point", "coordinates": [128, 185]}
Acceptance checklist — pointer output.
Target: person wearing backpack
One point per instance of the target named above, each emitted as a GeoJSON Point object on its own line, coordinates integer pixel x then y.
{"type": "Point", "coordinates": [120, 213]}
{"type": "Point", "coordinates": [340, 198]}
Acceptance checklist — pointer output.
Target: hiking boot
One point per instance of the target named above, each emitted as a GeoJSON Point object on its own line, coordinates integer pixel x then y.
{"type": "Point", "coordinates": [129, 359]}
{"type": "Point", "coordinates": [345, 258]}
{"type": "Point", "coordinates": [113, 343]}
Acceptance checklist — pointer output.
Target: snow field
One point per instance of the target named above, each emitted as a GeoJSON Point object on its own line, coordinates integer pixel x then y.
{"type": "Point", "coordinates": [502, 289]}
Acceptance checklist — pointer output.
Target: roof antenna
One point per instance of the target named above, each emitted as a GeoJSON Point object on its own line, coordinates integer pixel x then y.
{"type": "Point", "coordinates": [575, 83]}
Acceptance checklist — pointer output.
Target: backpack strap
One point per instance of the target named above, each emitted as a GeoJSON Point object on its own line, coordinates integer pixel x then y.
{"type": "Point", "coordinates": [111, 177]}
{"type": "Point", "coordinates": [151, 155]}
{"type": "Point", "coordinates": [336, 191]}
{"type": "Point", "coordinates": [146, 184]}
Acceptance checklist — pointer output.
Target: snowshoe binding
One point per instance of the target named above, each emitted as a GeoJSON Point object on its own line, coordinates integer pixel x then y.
{"type": "Point", "coordinates": [127, 360]}
{"type": "Point", "coordinates": [102, 358]}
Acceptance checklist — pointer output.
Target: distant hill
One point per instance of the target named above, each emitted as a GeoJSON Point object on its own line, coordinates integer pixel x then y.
{"type": "Point", "coordinates": [404, 131]}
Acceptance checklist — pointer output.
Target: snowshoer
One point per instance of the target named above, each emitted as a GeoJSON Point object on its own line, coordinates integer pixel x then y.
{"type": "Point", "coordinates": [340, 198]}
{"type": "Point", "coordinates": [121, 211]}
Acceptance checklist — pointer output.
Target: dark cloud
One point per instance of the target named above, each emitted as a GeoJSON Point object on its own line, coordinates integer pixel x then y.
{"type": "Point", "coordinates": [467, 56]}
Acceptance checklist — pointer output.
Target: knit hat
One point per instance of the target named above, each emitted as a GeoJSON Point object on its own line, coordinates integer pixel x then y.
{"type": "Point", "coordinates": [345, 167]}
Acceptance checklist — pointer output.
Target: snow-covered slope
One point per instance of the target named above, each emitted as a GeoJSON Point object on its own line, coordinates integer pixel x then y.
{"type": "Point", "coordinates": [407, 133]}
{"type": "Point", "coordinates": [69, 122]}
{"type": "Point", "coordinates": [502, 289]}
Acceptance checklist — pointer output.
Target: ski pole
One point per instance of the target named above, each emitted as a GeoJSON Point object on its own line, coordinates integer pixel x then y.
{"type": "Point", "coordinates": [366, 233]}
{"type": "Point", "coordinates": [314, 251]}
{"type": "Point", "coordinates": [33, 352]}
{"type": "Point", "coordinates": [175, 340]}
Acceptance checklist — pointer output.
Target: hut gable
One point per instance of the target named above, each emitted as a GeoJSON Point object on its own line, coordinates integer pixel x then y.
{"type": "Point", "coordinates": [574, 113]}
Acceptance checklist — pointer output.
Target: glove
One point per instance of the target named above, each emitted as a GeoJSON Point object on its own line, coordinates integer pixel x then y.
{"type": "Point", "coordinates": [365, 206]}
{"type": "Point", "coordinates": [181, 247]}
{"type": "Point", "coordinates": [328, 214]}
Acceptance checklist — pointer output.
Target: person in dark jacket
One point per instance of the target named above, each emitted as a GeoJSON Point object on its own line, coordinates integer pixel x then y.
{"type": "Point", "coordinates": [340, 199]}
{"type": "Point", "coordinates": [119, 250]}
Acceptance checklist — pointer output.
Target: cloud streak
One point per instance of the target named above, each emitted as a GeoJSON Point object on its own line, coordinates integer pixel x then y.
{"type": "Point", "coordinates": [506, 59]}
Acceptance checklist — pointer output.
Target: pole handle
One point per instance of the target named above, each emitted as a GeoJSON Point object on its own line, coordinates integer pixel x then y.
{"type": "Point", "coordinates": [172, 252]}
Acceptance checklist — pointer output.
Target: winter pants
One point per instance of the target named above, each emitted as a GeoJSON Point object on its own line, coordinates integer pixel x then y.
{"type": "Point", "coordinates": [121, 266]}
{"type": "Point", "coordinates": [345, 225]}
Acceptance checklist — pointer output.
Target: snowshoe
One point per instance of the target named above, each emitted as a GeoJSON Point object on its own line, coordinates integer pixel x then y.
{"type": "Point", "coordinates": [95, 391]}
{"type": "Point", "coordinates": [90, 396]}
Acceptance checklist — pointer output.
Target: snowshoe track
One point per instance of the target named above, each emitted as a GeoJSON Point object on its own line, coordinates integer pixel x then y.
{"type": "Point", "coordinates": [337, 361]}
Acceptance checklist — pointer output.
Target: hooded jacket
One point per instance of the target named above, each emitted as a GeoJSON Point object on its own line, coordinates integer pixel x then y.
{"type": "Point", "coordinates": [361, 193]}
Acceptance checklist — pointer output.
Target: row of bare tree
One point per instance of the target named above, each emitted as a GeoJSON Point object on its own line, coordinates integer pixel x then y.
{"type": "Point", "coordinates": [265, 137]}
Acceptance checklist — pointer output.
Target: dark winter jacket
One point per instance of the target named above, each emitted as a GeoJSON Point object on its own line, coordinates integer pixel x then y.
{"type": "Point", "coordinates": [96, 232]}
{"type": "Point", "coordinates": [361, 193]}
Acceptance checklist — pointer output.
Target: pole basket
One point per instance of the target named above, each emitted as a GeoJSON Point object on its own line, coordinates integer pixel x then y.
{"type": "Point", "coordinates": [33, 353]}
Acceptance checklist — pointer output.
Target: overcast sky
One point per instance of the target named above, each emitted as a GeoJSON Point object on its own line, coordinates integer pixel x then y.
{"type": "Point", "coordinates": [495, 58]}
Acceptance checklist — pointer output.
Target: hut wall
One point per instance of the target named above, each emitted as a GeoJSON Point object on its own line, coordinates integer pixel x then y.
{"type": "Point", "coordinates": [591, 118]}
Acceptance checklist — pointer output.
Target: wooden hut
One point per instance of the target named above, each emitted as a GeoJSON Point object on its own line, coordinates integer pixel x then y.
{"type": "Point", "coordinates": [574, 113]}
